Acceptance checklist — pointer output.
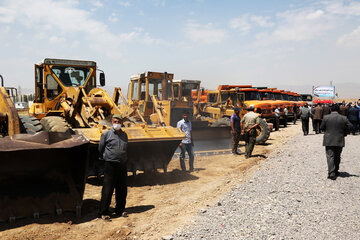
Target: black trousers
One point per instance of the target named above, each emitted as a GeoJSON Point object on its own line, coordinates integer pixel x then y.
{"type": "Point", "coordinates": [276, 123]}
{"type": "Point", "coordinates": [333, 157]}
{"type": "Point", "coordinates": [305, 125]}
{"type": "Point", "coordinates": [354, 126]}
{"type": "Point", "coordinates": [115, 177]}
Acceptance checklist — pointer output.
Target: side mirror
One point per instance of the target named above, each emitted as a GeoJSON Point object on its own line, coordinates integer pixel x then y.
{"type": "Point", "coordinates": [102, 79]}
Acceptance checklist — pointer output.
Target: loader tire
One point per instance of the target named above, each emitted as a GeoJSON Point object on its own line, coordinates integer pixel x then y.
{"type": "Point", "coordinates": [29, 124]}
{"type": "Point", "coordinates": [55, 124]}
{"type": "Point", "coordinates": [222, 122]}
{"type": "Point", "coordinates": [263, 132]}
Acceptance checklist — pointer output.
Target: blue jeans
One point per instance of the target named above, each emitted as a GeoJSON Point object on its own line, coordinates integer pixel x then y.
{"type": "Point", "coordinates": [187, 147]}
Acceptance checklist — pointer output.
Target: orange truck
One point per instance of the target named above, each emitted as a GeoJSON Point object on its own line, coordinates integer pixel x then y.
{"type": "Point", "coordinates": [252, 97]}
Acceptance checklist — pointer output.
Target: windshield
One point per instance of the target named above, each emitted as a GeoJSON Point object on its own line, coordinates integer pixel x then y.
{"type": "Point", "coordinates": [231, 96]}
{"type": "Point", "coordinates": [252, 95]}
{"type": "Point", "coordinates": [155, 88]}
{"type": "Point", "coordinates": [267, 95]}
{"type": "Point", "coordinates": [187, 89]}
{"type": "Point", "coordinates": [71, 76]}
{"type": "Point", "coordinates": [278, 96]}
{"type": "Point", "coordinates": [307, 98]}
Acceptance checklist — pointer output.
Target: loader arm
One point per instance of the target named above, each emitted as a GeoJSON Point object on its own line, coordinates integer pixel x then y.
{"type": "Point", "coordinates": [9, 117]}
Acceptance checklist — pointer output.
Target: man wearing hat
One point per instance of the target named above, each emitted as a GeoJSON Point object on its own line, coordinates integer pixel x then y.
{"type": "Point", "coordinates": [235, 130]}
{"type": "Point", "coordinates": [248, 127]}
{"type": "Point", "coordinates": [113, 150]}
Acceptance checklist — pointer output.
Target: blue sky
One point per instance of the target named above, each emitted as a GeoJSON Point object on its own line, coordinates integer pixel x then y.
{"type": "Point", "coordinates": [286, 44]}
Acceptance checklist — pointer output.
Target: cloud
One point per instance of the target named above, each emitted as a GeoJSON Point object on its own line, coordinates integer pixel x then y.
{"type": "Point", "coordinates": [303, 24]}
{"type": "Point", "coordinates": [125, 3]}
{"type": "Point", "coordinates": [56, 39]}
{"type": "Point", "coordinates": [246, 22]}
{"type": "Point", "coordinates": [352, 8]}
{"type": "Point", "coordinates": [351, 39]}
{"type": "Point", "coordinates": [63, 19]}
{"type": "Point", "coordinates": [97, 4]}
{"type": "Point", "coordinates": [113, 18]}
{"type": "Point", "coordinates": [204, 33]}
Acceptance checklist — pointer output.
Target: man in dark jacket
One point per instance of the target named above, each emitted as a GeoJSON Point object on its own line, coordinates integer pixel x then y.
{"type": "Point", "coordinates": [353, 116]}
{"type": "Point", "coordinates": [336, 127]}
{"type": "Point", "coordinates": [113, 150]}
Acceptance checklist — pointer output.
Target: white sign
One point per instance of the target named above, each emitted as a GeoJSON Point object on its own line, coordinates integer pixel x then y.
{"type": "Point", "coordinates": [324, 91]}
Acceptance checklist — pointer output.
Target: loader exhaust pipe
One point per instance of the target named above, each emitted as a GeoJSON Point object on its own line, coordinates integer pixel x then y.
{"type": "Point", "coordinates": [164, 87]}
{"type": "Point", "coordinates": [2, 80]}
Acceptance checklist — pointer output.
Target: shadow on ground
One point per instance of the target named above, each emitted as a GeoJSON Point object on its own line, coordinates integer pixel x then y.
{"type": "Point", "coordinates": [346, 175]}
{"type": "Point", "coordinates": [89, 212]}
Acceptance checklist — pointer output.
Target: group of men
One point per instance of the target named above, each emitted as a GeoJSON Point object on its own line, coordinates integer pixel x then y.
{"type": "Point", "coordinates": [318, 112]}
{"type": "Point", "coordinates": [335, 122]}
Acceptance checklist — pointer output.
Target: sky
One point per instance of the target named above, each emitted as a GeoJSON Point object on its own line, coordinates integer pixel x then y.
{"type": "Point", "coordinates": [289, 44]}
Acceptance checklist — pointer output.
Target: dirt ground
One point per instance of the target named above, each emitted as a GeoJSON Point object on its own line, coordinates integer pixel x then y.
{"type": "Point", "coordinates": [157, 205]}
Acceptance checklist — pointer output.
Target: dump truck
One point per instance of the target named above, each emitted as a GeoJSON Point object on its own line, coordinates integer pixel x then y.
{"type": "Point", "coordinates": [40, 172]}
{"type": "Point", "coordinates": [67, 99]}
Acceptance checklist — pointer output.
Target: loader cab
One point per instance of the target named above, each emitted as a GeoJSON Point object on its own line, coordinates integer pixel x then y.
{"type": "Point", "coordinates": [54, 77]}
{"type": "Point", "coordinates": [145, 85]}
{"type": "Point", "coordinates": [187, 90]}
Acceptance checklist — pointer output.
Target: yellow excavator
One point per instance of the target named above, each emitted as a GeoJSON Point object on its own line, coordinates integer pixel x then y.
{"type": "Point", "coordinates": [67, 99]}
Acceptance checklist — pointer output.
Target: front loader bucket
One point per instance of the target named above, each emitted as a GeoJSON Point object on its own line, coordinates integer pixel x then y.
{"type": "Point", "coordinates": [208, 139]}
{"type": "Point", "coordinates": [42, 173]}
{"type": "Point", "coordinates": [149, 148]}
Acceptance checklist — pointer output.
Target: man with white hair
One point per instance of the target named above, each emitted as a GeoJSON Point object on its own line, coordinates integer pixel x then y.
{"type": "Point", "coordinates": [248, 127]}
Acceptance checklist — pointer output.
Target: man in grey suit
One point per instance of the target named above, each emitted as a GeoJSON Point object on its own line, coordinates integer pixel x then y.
{"type": "Point", "coordinates": [336, 128]}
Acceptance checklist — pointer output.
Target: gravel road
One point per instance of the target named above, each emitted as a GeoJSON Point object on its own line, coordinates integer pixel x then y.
{"type": "Point", "coordinates": [289, 197]}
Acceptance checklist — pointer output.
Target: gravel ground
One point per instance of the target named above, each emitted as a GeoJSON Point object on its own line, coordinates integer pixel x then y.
{"type": "Point", "coordinates": [289, 197]}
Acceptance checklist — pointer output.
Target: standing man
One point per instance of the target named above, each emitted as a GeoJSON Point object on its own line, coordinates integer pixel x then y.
{"type": "Point", "coordinates": [113, 150]}
{"type": "Point", "coordinates": [343, 108]}
{"type": "Point", "coordinates": [277, 118]}
{"type": "Point", "coordinates": [235, 130]}
{"type": "Point", "coordinates": [248, 127]}
{"type": "Point", "coordinates": [295, 112]}
{"type": "Point", "coordinates": [353, 116]}
{"type": "Point", "coordinates": [318, 113]}
{"type": "Point", "coordinates": [326, 109]}
{"type": "Point", "coordinates": [187, 143]}
{"type": "Point", "coordinates": [336, 127]}
{"type": "Point", "coordinates": [286, 113]}
{"type": "Point", "coordinates": [305, 115]}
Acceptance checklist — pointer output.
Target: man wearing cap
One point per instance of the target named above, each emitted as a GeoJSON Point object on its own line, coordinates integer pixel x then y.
{"type": "Point", "coordinates": [248, 127]}
{"type": "Point", "coordinates": [187, 143]}
{"type": "Point", "coordinates": [235, 130]}
{"type": "Point", "coordinates": [113, 150]}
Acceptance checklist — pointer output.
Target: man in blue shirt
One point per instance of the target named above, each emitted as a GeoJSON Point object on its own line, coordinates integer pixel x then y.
{"type": "Point", "coordinates": [235, 130]}
{"type": "Point", "coordinates": [187, 143]}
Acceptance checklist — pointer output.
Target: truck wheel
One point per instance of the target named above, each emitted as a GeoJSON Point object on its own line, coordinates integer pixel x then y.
{"type": "Point", "coordinates": [55, 124]}
{"type": "Point", "coordinates": [222, 122]}
{"type": "Point", "coordinates": [262, 132]}
{"type": "Point", "coordinates": [29, 124]}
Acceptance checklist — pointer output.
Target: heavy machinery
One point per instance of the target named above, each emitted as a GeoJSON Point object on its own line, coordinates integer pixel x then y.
{"type": "Point", "coordinates": [161, 101]}
{"type": "Point", "coordinates": [220, 104]}
{"type": "Point", "coordinates": [39, 173]}
{"type": "Point", "coordinates": [67, 99]}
